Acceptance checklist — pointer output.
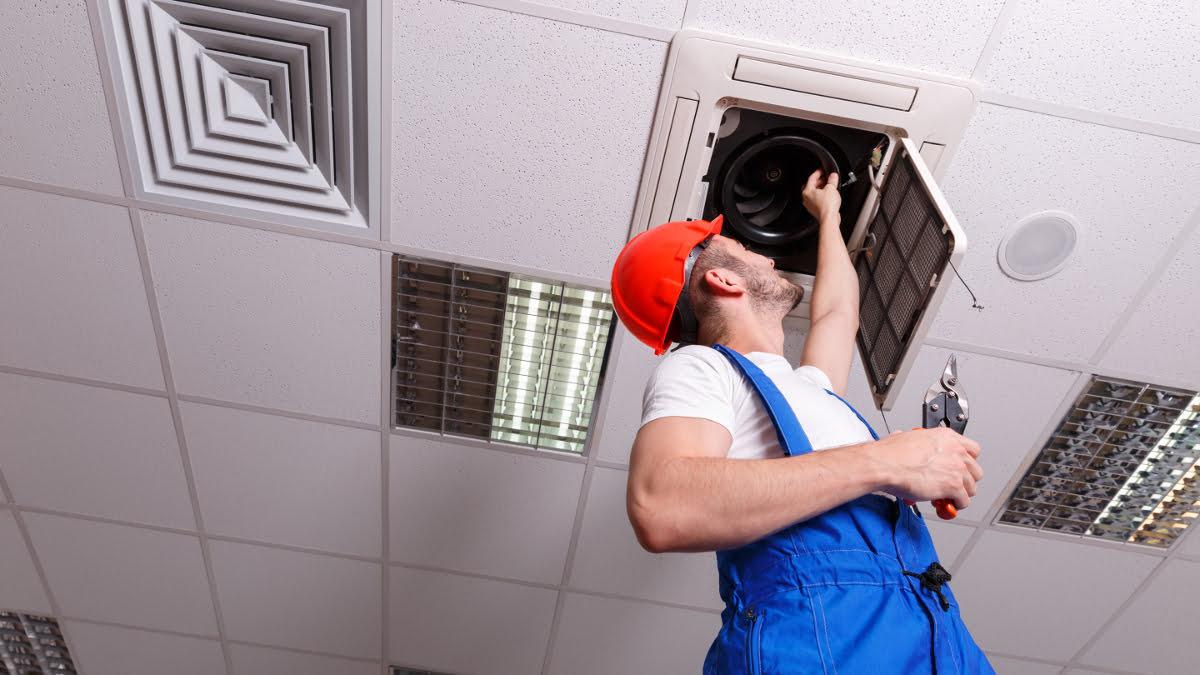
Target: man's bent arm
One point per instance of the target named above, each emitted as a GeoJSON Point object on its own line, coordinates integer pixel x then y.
{"type": "Point", "coordinates": [685, 495]}
{"type": "Point", "coordinates": [834, 309]}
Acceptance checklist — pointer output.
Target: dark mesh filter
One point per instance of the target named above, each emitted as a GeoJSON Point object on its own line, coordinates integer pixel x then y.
{"type": "Point", "coordinates": [908, 251]}
{"type": "Point", "coordinates": [447, 326]}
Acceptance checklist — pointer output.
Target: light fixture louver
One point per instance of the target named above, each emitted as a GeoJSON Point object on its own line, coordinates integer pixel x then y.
{"type": "Point", "coordinates": [33, 645]}
{"type": "Point", "coordinates": [231, 105]}
{"type": "Point", "coordinates": [1121, 466]}
{"type": "Point", "coordinates": [507, 358]}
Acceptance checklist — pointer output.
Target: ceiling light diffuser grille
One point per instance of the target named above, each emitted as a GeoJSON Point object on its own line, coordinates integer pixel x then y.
{"type": "Point", "coordinates": [259, 104]}
{"type": "Point", "coordinates": [1121, 466]}
{"type": "Point", "coordinates": [32, 645]}
{"type": "Point", "coordinates": [503, 357]}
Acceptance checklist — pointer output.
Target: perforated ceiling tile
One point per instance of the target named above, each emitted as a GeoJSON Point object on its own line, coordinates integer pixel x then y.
{"type": "Point", "coordinates": [601, 636]}
{"type": "Point", "coordinates": [876, 31]}
{"type": "Point", "coordinates": [54, 124]}
{"type": "Point", "coordinates": [608, 558]}
{"type": "Point", "coordinates": [455, 624]}
{"type": "Point", "coordinates": [1119, 58]}
{"type": "Point", "coordinates": [109, 650]}
{"type": "Point", "coordinates": [662, 13]}
{"type": "Point", "coordinates": [1160, 339]}
{"type": "Point", "coordinates": [1010, 165]}
{"type": "Point", "coordinates": [530, 156]}
{"type": "Point", "coordinates": [1154, 634]}
{"type": "Point", "coordinates": [248, 659]}
{"type": "Point", "coordinates": [267, 107]}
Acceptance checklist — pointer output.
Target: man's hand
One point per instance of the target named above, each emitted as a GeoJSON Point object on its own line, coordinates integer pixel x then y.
{"type": "Point", "coordinates": [821, 196]}
{"type": "Point", "coordinates": [927, 464]}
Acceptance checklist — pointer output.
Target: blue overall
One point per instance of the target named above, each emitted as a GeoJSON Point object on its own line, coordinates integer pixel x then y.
{"type": "Point", "coordinates": [849, 591]}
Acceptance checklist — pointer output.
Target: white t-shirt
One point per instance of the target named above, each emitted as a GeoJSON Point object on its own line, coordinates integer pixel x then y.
{"type": "Point", "coordinates": [698, 381]}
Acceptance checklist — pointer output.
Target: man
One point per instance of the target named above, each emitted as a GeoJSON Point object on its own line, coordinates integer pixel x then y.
{"type": "Point", "coordinates": [823, 567]}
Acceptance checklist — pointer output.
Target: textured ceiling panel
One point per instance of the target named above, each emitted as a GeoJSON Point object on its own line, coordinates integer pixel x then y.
{"type": "Point", "coordinates": [1131, 192]}
{"type": "Point", "coordinates": [1151, 634]}
{"type": "Point", "coordinates": [890, 32]}
{"type": "Point", "coordinates": [94, 451]}
{"type": "Point", "coordinates": [250, 104]}
{"type": "Point", "coordinates": [20, 588]}
{"type": "Point", "coordinates": [455, 624]}
{"type": "Point", "coordinates": [54, 126]}
{"type": "Point", "coordinates": [529, 156]}
{"type": "Point", "coordinates": [285, 481]}
{"type": "Point", "coordinates": [625, 383]}
{"type": "Point", "coordinates": [609, 560]}
{"type": "Point", "coordinates": [1041, 597]}
{"type": "Point", "coordinates": [251, 660]}
{"type": "Point", "coordinates": [299, 600]}
{"type": "Point", "coordinates": [268, 319]}
{"type": "Point", "coordinates": [109, 650]}
{"type": "Point", "coordinates": [602, 636]}
{"type": "Point", "coordinates": [78, 264]}
{"type": "Point", "coordinates": [662, 13]}
{"type": "Point", "coordinates": [453, 507]}
{"type": "Point", "coordinates": [1161, 336]}
{"type": "Point", "coordinates": [1121, 58]}
{"type": "Point", "coordinates": [125, 575]}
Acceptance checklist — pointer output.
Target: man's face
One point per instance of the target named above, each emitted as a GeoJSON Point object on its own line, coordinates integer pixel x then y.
{"type": "Point", "coordinates": [765, 286]}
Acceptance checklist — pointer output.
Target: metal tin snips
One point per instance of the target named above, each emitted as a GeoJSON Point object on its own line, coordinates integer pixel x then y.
{"type": "Point", "coordinates": [946, 406]}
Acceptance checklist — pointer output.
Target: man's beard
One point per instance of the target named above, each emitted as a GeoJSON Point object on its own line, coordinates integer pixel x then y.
{"type": "Point", "coordinates": [772, 293]}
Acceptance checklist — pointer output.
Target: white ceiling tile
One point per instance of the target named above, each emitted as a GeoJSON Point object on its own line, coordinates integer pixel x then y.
{"type": "Point", "coordinates": [1010, 404]}
{"type": "Point", "coordinates": [93, 451]}
{"type": "Point", "coordinates": [83, 309]}
{"type": "Point", "coordinates": [109, 650]}
{"type": "Point", "coordinates": [609, 559]}
{"type": "Point", "coordinates": [20, 587]}
{"type": "Point", "coordinates": [1130, 192]}
{"type": "Point", "coordinates": [55, 127]}
{"type": "Point", "coordinates": [1117, 58]}
{"type": "Point", "coordinates": [457, 624]}
{"type": "Point", "coordinates": [1156, 633]}
{"type": "Point", "coordinates": [268, 319]}
{"type": "Point", "coordinates": [624, 384]}
{"type": "Point", "coordinates": [298, 600]}
{"type": "Point", "coordinates": [1009, 666]}
{"type": "Point", "coordinates": [941, 36]}
{"type": "Point", "coordinates": [1161, 336]}
{"type": "Point", "coordinates": [531, 156]}
{"type": "Point", "coordinates": [253, 660]}
{"type": "Point", "coordinates": [480, 510]}
{"type": "Point", "coordinates": [127, 575]}
{"type": "Point", "coordinates": [601, 636]}
{"type": "Point", "coordinates": [948, 539]}
{"type": "Point", "coordinates": [660, 13]}
{"type": "Point", "coordinates": [1043, 597]}
{"type": "Point", "coordinates": [286, 481]}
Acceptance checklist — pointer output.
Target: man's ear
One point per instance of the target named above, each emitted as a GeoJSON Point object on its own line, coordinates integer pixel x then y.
{"type": "Point", "coordinates": [723, 282]}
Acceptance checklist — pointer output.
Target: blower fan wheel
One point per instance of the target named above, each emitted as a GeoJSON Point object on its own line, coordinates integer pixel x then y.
{"type": "Point", "coordinates": [761, 186]}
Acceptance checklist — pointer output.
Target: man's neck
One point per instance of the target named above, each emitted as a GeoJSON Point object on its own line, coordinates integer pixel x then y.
{"type": "Point", "coordinates": [753, 333]}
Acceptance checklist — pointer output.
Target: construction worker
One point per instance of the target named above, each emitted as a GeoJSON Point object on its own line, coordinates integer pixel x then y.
{"type": "Point", "coordinates": [823, 567]}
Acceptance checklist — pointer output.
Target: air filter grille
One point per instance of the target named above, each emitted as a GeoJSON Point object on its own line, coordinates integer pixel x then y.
{"type": "Point", "coordinates": [258, 104]}
{"type": "Point", "coordinates": [1120, 466]}
{"type": "Point", "coordinates": [32, 645]}
{"type": "Point", "coordinates": [497, 356]}
{"type": "Point", "coordinates": [909, 245]}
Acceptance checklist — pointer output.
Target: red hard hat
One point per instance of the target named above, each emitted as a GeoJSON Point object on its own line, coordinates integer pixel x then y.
{"type": "Point", "coordinates": [648, 277]}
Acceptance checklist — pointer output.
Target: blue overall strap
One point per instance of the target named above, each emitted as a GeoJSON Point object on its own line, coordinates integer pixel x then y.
{"type": "Point", "coordinates": [781, 414]}
{"type": "Point", "coordinates": [864, 421]}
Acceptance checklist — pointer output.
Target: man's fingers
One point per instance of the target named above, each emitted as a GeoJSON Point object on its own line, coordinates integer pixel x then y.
{"type": "Point", "coordinates": [975, 470]}
{"type": "Point", "coordinates": [831, 179]}
{"type": "Point", "coordinates": [813, 179]}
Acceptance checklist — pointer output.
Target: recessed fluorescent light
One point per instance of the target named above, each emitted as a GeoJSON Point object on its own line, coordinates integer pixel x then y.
{"type": "Point", "coordinates": [1121, 466]}
{"type": "Point", "coordinates": [506, 357]}
{"type": "Point", "coordinates": [33, 645]}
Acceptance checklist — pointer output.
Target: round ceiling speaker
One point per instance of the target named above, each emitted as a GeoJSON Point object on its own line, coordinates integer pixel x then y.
{"type": "Point", "coordinates": [1039, 245]}
{"type": "Point", "coordinates": [760, 188]}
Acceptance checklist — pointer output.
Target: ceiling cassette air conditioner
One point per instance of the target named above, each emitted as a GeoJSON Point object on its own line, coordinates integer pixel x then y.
{"type": "Point", "coordinates": [741, 125]}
